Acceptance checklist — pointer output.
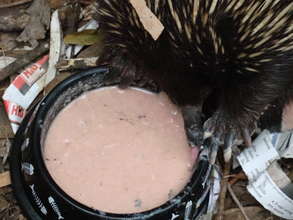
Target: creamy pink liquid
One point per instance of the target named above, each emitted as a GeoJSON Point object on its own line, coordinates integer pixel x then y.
{"type": "Point", "coordinates": [119, 151]}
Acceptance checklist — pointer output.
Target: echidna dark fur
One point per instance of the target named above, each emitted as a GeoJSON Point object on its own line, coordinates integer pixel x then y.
{"type": "Point", "coordinates": [236, 53]}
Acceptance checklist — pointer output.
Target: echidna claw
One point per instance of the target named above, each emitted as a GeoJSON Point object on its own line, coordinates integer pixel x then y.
{"type": "Point", "coordinates": [229, 139]}
{"type": "Point", "coordinates": [228, 132]}
{"type": "Point", "coordinates": [208, 128]}
{"type": "Point", "coordinates": [246, 137]}
{"type": "Point", "coordinates": [229, 142]}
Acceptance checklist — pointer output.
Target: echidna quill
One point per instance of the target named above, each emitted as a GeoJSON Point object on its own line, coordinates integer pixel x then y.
{"type": "Point", "coordinates": [237, 53]}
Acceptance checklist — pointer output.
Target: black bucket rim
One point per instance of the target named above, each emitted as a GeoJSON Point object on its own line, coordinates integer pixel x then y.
{"type": "Point", "coordinates": [25, 203]}
{"type": "Point", "coordinates": [17, 182]}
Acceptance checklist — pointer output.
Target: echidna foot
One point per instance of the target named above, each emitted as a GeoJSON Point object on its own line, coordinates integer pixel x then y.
{"type": "Point", "coordinates": [228, 131]}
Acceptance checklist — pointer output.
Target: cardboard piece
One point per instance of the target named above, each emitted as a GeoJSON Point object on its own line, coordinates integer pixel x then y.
{"type": "Point", "coordinates": [150, 22]}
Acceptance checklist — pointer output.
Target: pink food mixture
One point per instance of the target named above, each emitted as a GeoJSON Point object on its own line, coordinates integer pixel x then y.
{"type": "Point", "coordinates": [119, 151]}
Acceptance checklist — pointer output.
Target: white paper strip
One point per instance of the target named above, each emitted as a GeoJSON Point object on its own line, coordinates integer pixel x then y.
{"type": "Point", "coordinates": [268, 183]}
{"type": "Point", "coordinates": [266, 192]}
{"type": "Point", "coordinates": [257, 158]}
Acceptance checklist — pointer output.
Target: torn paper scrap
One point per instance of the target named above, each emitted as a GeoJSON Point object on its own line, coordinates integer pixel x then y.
{"type": "Point", "coordinates": [150, 22]}
{"type": "Point", "coordinates": [56, 47]}
{"type": "Point", "coordinates": [22, 91]}
{"type": "Point", "coordinates": [15, 114]}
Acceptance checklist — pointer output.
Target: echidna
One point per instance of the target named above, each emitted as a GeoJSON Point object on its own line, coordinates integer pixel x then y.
{"type": "Point", "coordinates": [237, 53]}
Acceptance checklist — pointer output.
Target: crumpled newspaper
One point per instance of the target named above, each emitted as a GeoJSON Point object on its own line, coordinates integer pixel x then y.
{"type": "Point", "coordinates": [268, 183]}
{"type": "Point", "coordinates": [33, 79]}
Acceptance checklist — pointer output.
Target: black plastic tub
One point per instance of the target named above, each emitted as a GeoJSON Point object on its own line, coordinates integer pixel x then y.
{"type": "Point", "coordinates": [41, 198]}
